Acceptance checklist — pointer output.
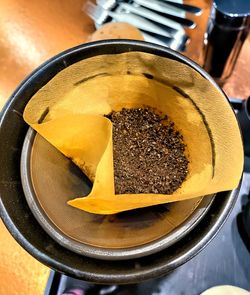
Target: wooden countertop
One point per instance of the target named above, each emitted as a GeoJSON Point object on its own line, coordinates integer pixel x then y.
{"type": "Point", "coordinates": [33, 31]}
{"type": "Point", "coordinates": [30, 33]}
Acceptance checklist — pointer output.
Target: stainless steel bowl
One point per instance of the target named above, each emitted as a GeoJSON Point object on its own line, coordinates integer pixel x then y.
{"type": "Point", "coordinates": [24, 227]}
{"type": "Point", "coordinates": [49, 180]}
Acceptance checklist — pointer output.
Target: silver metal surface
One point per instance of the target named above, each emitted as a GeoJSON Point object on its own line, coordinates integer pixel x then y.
{"type": "Point", "coordinates": [174, 7]}
{"type": "Point", "coordinates": [155, 26]}
{"type": "Point", "coordinates": [149, 14]}
{"type": "Point", "coordinates": [162, 8]}
{"type": "Point", "coordinates": [228, 28]}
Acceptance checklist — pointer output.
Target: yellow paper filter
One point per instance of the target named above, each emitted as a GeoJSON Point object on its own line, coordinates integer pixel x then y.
{"type": "Point", "coordinates": [68, 111]}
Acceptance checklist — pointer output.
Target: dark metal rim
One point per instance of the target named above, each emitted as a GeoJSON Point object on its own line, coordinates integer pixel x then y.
{"type": "Point", "coordinates": [92, 251]}
{"type": "Point", "coordinates": [134, 275]}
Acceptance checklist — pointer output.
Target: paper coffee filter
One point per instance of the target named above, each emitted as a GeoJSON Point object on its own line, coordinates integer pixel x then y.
{"type": "Point", "coordinates": [68, 112]}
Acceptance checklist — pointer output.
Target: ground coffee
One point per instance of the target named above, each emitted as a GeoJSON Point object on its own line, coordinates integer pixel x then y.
{"type": "Point", "coordinates": [148, 153]}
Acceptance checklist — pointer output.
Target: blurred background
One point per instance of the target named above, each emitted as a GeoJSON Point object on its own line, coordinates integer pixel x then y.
{"type": "Point", "coordinates": [32, 32]}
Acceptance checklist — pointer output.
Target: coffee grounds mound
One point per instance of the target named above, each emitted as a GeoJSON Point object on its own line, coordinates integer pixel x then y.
{"type": "Point", "coordinates": [148, 153]}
